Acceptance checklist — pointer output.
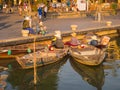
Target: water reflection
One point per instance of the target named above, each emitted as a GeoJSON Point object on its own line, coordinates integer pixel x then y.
{"type": "Point", "coordinates": [46, 77]}
{"type": "Point", "coordinates": [112, 62]}
{"type": "Point", "coordinates": [93, 75]}
{"type": "Point", "coordinates": [52, 77]}
{"type": "Point", "coordinates": [114, 49]}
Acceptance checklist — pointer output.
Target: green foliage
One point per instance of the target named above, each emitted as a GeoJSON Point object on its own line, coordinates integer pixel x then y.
{"type": "Point", "coordinates": [114, 5]}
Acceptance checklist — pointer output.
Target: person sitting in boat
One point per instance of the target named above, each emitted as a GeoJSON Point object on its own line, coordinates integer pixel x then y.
{"type": "Point", "coordinates": [57, 41]}
{"type": "Point", "coordinates": [94, 40]}
{"type": "Point", "coordinates": [43, 28]}
{"type": "Point", "coordinates": [91, 39]}
{"type": "Point", "coordinates": [74, 41]}
{"type": "Point", "coordinates": [26, 25]}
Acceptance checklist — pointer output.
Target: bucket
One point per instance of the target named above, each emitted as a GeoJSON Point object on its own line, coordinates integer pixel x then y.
{"type": "Point", "coordinates": [25, 33]}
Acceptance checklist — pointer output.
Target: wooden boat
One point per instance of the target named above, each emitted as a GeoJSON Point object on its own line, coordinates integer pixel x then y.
{"type": "Point", "coordinates": [89, 55]}
{"type": "Point", "coordinates": [12, 51]}
{"type": "Point", "coordinates": [42, 57]}
{"type": "Point", "coordinates": [2, 68]}
{"type": "Point", "coordinates": [94, 75]}
{"type": "Point", "coordinates": [45, 75]}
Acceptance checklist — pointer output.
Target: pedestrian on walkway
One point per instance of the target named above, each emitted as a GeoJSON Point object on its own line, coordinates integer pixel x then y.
{"type": "Point", "coordinates": [40, 13]}
{"type": "Point", "coordinates": [45, 11]}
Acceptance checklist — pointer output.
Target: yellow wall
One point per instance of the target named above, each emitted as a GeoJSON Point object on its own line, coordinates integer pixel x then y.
{"type": "Point", "coordinates": [118, 1]}
{"type": "Point", "coordinates": [0, 1]}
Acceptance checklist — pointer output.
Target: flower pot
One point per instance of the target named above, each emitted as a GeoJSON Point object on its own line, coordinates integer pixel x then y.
{"type": "Point", "coordinates": [74, 27]}
{"type": "Point", "coordinates": [108, 23]}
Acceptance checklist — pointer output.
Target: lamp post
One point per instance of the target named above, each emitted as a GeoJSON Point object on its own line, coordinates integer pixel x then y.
{"type": "Point", "coordinates": [99, 15]}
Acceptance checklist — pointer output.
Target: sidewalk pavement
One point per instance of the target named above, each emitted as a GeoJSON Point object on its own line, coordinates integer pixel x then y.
{"type": "Point", "coordinates": [11, 24]}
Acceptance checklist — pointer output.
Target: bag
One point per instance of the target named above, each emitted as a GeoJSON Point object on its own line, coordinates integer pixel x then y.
{"type": "Point", "coordinates": [94, 42]}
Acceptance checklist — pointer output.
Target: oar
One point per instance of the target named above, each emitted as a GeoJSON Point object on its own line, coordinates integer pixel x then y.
{"type": "Point", "coordinates": [35, 70]}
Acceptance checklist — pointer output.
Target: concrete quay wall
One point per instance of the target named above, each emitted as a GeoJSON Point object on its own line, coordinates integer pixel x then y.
{"type": "Point", "coordinates": [66, 36]}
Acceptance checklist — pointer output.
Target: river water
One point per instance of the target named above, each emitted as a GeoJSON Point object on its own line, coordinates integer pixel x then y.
{"type": "Point", "coordinates": [69, 75]}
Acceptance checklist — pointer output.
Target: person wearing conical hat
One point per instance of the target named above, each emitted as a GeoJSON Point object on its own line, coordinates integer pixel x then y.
{"type": "Point", "coordinates": [93, 39]}
{"type": "Point", "coordinates": [74, 41]}
{"type": "Point", "coordinates": [57, 40]}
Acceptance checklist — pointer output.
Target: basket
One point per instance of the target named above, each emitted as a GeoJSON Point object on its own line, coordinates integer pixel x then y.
{"type": "Point", "coordinates": [25, 33]}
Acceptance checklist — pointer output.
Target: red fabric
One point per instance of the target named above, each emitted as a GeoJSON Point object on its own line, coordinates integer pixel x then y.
{"type": "Point", "coordinates": [69, 44]}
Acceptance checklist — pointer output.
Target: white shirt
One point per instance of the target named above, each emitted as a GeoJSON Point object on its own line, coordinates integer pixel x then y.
{"type": "Point", "coordinates": [45, 9]}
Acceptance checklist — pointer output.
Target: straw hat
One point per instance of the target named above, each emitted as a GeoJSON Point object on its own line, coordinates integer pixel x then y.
{"type": "Point", "coordinates": [27, 18]}
{"type": "Point", "coordinates": [94, 37]}
{"type": "Point", "coordinates": [73, 34]}
{"type": "Point", "coordinates": [58, 34]}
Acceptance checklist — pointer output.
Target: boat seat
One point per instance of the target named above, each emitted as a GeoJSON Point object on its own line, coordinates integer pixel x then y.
{"type": "Point", "coordinates": [104, 40]}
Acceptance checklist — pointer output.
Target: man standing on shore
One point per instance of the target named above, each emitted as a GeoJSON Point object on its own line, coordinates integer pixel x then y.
{"type": "Point", "coordinates": [45, 11]}
{"type": "Point", "coordinates": [40, 13]}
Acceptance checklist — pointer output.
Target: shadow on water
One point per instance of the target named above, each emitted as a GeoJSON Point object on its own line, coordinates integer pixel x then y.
{"type": "Point", "coordinates": [46, 75]}
{"type": "Point", "coordinates": [94, 75]}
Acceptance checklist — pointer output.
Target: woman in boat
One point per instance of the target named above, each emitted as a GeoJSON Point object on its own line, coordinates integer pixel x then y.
{"type": "Point", "coordinates": [74, 41]}
{"type": "Point", "coordinates": [94, 40]}
{"type": "Point", "coordinates": [91, 39]}
{"type": "Point", "coordinates": [57, 41]}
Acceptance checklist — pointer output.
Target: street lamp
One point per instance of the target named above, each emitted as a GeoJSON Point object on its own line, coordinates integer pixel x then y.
{"type": "Point", "coordinates": [99, 15]}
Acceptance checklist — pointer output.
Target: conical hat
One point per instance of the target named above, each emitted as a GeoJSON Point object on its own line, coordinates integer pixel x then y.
{"type": "Point", "coordinates": [27, 18]}
{"type": "Point", "coordinates": [58, 34]}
